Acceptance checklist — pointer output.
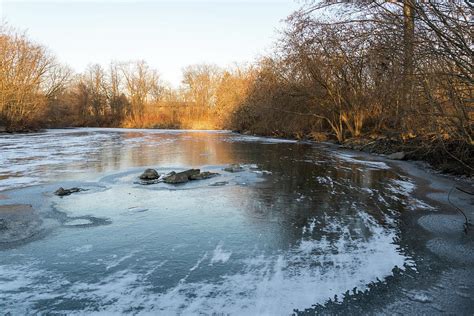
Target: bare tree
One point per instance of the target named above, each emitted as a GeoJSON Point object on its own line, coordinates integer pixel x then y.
{"type": "Point", "coordinates": [117, 100]}
{"type": "Point", "coordinates": [23, 67]}
{"type": "Point", "coordinates": [141, 84]}
{"type": "Point", "coordinates": [201, 82]}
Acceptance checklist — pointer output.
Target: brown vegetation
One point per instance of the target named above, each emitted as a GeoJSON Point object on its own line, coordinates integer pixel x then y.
{"type": "Point", "coordinates": [30, 79]}
{"type": "Point", "coordinates": [400, 72]}
{"type": "Point", "coordinates": [396, 72]}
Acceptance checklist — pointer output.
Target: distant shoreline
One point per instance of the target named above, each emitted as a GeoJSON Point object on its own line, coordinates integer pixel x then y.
{"type": "Point", "coordinates": [379, 146]}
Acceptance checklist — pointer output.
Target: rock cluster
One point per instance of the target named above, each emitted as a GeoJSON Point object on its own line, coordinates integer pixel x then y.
{"type": "Point", "coordinates": [64, 192]}
{"type": "Point", "coordinates": [151, 176]}
{"type": "Point", "coordinates": [185, 176]}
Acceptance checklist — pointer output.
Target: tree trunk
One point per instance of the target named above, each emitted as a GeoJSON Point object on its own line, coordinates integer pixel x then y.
{"type": "Point", "coordinates": [408, 52]}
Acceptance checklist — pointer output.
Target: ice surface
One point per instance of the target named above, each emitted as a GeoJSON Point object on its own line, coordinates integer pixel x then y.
{"type": "Point", "coordinates": [330, 259]}
{"type": "Point", "coordinates": [287, 239]}
{"type": "Point", "coordinates": [366, 163]}
{"type": "Point", "coordinates": [78, 222]}
{"type": "Point", "coordinates": [309, 273]}
{"type": "Point", "coordinates": [405, 189]}
{"type": "Point", "coordinates": [263, 140]}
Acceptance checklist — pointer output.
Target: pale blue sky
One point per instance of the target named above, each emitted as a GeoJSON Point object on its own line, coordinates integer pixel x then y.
{"type": "Point", "coordinates": [167, 34]}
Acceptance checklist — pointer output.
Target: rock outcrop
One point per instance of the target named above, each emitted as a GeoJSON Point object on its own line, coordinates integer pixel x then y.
{"type": "Point", "coordinates": [188, 175]}
{"type": "Point", "coordinates": [203, 175]}
{"type": "Point", "coordinates": [181, 177]}
{"type": "Point", "coordinates": [149, 174]}
{"type": "Point", "coordinates": [64, 192]}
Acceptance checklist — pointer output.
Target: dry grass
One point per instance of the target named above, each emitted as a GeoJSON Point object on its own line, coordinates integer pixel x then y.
{"type": "Point", "coordinates": [171, 118]}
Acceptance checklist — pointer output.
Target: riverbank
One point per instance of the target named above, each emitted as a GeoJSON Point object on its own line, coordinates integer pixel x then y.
{"type": "Point", "coordinates": [449, 157]}
{"type": "Point", "coordinates": [444, 156]}
{"type": "Point", "coordinates": [7, 130]}
{"type": "Point", "coordinates": [447, 239]}
{"type": "Point", "coordinates": [442, 281]}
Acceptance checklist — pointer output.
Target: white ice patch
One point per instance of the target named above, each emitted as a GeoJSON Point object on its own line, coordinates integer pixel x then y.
{"type": "Point", "coordinates": [406, 188]}
{"type": "Point", "coordinates": [403, 187]}
{"type": "Point", "coordinates": [367, 163]}
{"type": "Point", "coordinates": [255, 169]}
{"type": "Point", "coordinates": [258, 139]}
{"type": "Point", "coordinates": [85, 248]}
{"type": "Point", "coordinates": [78, 222]}
{"type": "Point", "coordinates": [114, 262]}
{"type": "Point", "coordinates": [204, 257]}
{"type": "Point", "coordinates": [310, 228]}
{"type": "Point", "coordinates": [327, 181]}
{"type": "Point", "coordinates": [415, 204]}
{"type": "Point", "coordinates": [367, 190]}
{"type": "Point", "coordinates": [219, 255]}
{"type": "Point", "coordinates": [300, 198]}
{"type": "Point", "coordinates": [419, 297]}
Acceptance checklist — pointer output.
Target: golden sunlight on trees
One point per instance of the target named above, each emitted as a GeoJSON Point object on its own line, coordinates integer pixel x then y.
{"type": "Point", "coordinates": [141, 86]}
{"type": "Point", "coordinates": [30, 77]}
{"type": "Point", "coordinates": [200, 85]}
{"type": "Point", "coordinates": [400, 72]}
{"type": "Point", "coordinates": [231, 93]}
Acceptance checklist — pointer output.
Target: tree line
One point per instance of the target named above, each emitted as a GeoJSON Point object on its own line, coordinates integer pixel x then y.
{"type": "Point", "coordinates": [400, 70]}
{"type": "Point", "coordinates": [397, 73]}
{"type": "Point", "coordinates": [37, 91]}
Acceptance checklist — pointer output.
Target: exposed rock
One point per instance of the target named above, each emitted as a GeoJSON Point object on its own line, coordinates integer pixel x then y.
{"type": "Point", "coordinates": [203, 175]}
{"type": "Point", "coordinates": [64, 192]}
{"type": "Point", "coordinates": [149, 174]}
{"type": "Point", "coordinates": [397, 156]}
{"type": "Point", "coordinates": [191, 172]}
{"type": "Point", "coordinates": [181, 177]}
{"type": "Point", "coordinates": [233, 168]}
{"type": "Point", "coordinates": [185, 176]}
{"type": "Point", "coordinates": [176, 178]}
{"type": "Point", "coordinates": [169, 174]}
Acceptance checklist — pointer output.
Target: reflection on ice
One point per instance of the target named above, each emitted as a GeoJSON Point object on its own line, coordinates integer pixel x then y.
{"type": "Point", "coordinates": [297, 226]}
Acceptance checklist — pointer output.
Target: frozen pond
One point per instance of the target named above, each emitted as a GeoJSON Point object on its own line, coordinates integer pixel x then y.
{"type": "Point", "coordinates": [299, 225]}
